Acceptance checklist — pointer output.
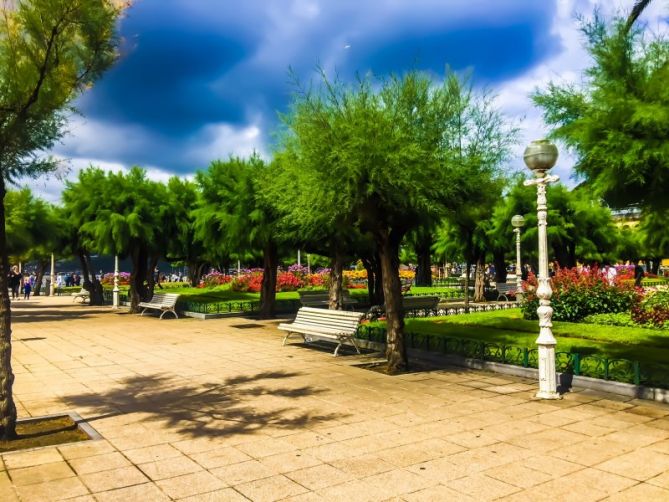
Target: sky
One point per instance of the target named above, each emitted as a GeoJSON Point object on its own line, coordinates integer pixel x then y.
{"type": "Point", "coordinates": [199, 80]}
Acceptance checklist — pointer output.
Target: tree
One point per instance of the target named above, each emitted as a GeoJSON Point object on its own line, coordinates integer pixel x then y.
{"type": "Point", "coordinates": [381, 162]}
{"type": "Point", "coordinates": [33, 230]}
{"type": "Point", "coordinates": [50, 51]}
{"type": "Point", "coordinates": [122, 214]}
{"type": "Point", "coordinates": [617, 121]}
{"type": "Point", "coordinates": [237, 216]}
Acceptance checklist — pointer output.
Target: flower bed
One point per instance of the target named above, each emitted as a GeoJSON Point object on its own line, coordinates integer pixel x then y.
{"type": "Point", "coordinates": [577, 294]}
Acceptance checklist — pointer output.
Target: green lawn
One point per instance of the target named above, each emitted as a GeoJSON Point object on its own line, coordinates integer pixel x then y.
{"type": "Point", "coordinates": [508, 327]}
{"type": "Point", "coordinates": [224, 294]}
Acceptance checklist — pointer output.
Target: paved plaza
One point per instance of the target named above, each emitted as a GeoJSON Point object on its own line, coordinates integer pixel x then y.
{"type": "Point", "coordinates": [219, 410]}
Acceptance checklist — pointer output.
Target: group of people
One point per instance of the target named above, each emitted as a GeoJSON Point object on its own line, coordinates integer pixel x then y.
{"type": "Point", "coordinates": [21, 283]}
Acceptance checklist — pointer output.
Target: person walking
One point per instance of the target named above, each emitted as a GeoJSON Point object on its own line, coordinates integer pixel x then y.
{"type": "Point", "coordinates": [27, 289]}
{"type": "Point", "coordinates": [15, 282]}
{"type": "Point", "coordinates": [638, 274]}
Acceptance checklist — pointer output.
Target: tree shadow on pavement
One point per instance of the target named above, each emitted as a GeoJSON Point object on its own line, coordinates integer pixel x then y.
{"type": "Point", "coordinates": [30, 311]}
{"type": "Point", "coordinates": [239, 405]}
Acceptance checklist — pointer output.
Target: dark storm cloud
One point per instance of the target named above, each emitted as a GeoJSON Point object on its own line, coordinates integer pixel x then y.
{"type": "Point", "coordinates": [189, 64]}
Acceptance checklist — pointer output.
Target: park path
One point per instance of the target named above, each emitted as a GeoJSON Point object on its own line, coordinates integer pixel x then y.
{"type": "Point", "coordinates": [219, 410]}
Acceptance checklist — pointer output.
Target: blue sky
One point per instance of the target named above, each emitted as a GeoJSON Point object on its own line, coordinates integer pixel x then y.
{"type": "Point", "coordinates": [202, 79]}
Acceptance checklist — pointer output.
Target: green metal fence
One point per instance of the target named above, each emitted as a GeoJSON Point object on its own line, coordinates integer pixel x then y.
{"type": "Point", "coordinates": [245, 306]}
{"type": "Point", "coordinates": [590, 365]}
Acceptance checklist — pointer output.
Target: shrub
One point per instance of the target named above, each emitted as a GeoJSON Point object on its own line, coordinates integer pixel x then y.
{"type": "Point", "coordinates": [250, 282]}
{"type": "Point", "coordinates": [123, 279]}
{"type": "Point", "coordinates": [577, 294]}
{"type": "Point", "coordinates": [652, 309]}
{"type": "Point", "coordinates": [215, 278]}
{"type": "Point", "coordinates": [616, 319]}
{"type": "Point", "coordinates": [288, 281]}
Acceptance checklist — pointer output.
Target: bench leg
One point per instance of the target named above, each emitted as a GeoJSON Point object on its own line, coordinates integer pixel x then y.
{"type": "Point", "coordinates": [171, 311]}
{"type": "Point", "coordinates": [336, 352]}
{"type": "Point", "coordinates": [142, 312]}
{"type": "Point", "coordinates": [352, 338]}
{"type": "Point", "coordinates": [285, 338]}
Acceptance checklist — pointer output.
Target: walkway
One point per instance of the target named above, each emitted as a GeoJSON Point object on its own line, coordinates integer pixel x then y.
{"type": "Point", "coordinates": [218, 410]}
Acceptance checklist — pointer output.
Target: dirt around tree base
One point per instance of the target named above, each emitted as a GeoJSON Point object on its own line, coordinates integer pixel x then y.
{"type": "Point", "coordinates": [44, 432]}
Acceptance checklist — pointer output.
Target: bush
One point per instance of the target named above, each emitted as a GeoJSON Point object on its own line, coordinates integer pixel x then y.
{"type": "Point", "coordinates": [123, 279]}
{"type": "Point", "coordinates": [653, 309]}
{"type": "Point", "coordinates": [215, 278]}
{"type": "Point", "coordinates": [577, 294]}
{"type": "Point", "coordinates": [617, 319]}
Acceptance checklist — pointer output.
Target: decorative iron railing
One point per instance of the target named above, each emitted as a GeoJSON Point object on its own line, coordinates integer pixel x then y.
{"type": "Point", "coordinates": [590, 365]}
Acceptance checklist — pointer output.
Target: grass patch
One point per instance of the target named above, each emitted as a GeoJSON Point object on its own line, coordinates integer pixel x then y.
{"type": "Point", "coordinates": [225, 294]}
{"type": "Point", "coordinates": [509, 328]}
{"type": "Point", "coordinates": [44, 432]}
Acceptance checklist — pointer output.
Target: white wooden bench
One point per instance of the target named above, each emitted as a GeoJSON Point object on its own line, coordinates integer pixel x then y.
{"type": "Point", "coordinates": [322, 324]}
{"type": "Point", "coordinates": [83, 294]}
{"type": "Point", "coordinates": [505, 290]}
{"type": "Point", "coordinates": [321, 298]}
{"type": "Point", "coordinates": [165, 302]}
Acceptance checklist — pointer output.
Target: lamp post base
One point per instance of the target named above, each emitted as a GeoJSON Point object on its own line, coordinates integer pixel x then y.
{"type": "Point", "coordinates": [547, 395]}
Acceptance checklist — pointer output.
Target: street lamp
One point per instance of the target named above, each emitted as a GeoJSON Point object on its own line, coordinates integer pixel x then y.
{"type": "Point", "coordinates": [518, 222]}
{"type": "Point", "coordinates": [539, 157]}
{"type": "Point", "coordinates": [115, 290]}
{"type": "Point", "coordinates": [52, 284]}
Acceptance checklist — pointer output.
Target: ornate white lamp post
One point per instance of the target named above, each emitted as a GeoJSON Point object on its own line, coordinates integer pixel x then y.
{"type": "Point", "coordinates": [540, 156]}
{"type": "Point", "coordinates": [52, 284]}
{"type": "Point", "coordinates": [115, 290]}
{"type": "Point", "coordinates": [518, 222]}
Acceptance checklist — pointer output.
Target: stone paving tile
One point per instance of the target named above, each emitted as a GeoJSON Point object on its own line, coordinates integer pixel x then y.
{"type": "Point", "coordinates": [97, 463]}
{"type": "Point", "coordinates": [115, 478]}
{"type": "Point", "coordinates": [19, 459]}
{"type": "Point", "coordinates": [58, 489]}
{"type": "Point", "coordinates": [169, 467]}
{"type": "Point", "coordinates": [269, 489]}
{"type": "Point", "coordinates": [191, 484]}
{"type": "Point", "coordinates": [641, 492]}
{"type": "Point", "coordinates": [640, 464]}
{"type": "Point", "coordinates": [319, 476]}
{"type": "Point", "coordinates": [482, 487]}
{"type": "Point", "coordinates": [146, 492]}
{"type": "Point", "coordinates": [40, 473]}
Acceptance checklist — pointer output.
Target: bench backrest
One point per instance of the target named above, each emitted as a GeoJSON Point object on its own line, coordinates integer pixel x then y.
{"type": "Point", "coordinates": [165, 299]}
{"type": "Point", "coordinates": [420, 302]}
{"type": "Point", "coordinates": [505, 287]}
{"type": "Point", "coordinates": [342, 320]}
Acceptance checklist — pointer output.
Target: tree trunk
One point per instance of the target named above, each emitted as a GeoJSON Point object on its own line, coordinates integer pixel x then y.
{"type": "Point", "coordinates": [371, 280]}
{"type": "Point", "coordinates": [468, 270]}
{"type": "Point", "coordinates": [388, 246]}
{"type": "Point", "coordinates": [500, 266]}
{"type": "Point", "coordinates": [151, 277]}
{"type": "Point", "coordinates": [424, 255]}
{"type": "Point", "coordinates": [336, 292]}
{"type": "Point", "coordinates": [137, 278]}
{"type": "Point", "coordinates": [268, 290]}
{"type": "Point", "coordinates": [379, 298]}
{"type": "Point", "coordinates": [7, 406]}
{"type": "Point", "coordinates": [90, 284]}
{"type": "Point", "coordinates": [41, 267]}
{"type": "Point", "coordinates": [479, 280]}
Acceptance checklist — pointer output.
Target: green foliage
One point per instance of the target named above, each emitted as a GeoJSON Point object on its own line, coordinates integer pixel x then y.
{"type": "Point", "coordinates": [617, 121]}
{"type": "Point", "coordinates": [611, 319]}
{"type": "Point", "coordinates": [32, 225]}
{"type": "Point", "coordinates": [50, 51]}
{"type": "Point", "coordinates": [579, 227]}
{"type": "Point", "coordinates": [652, 309]}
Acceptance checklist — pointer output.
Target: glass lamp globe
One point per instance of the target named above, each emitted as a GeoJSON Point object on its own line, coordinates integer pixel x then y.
{"type": "Point", "coordinates": [540, 156]}
{"type": "Point", "coordinates": [518, 221]}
